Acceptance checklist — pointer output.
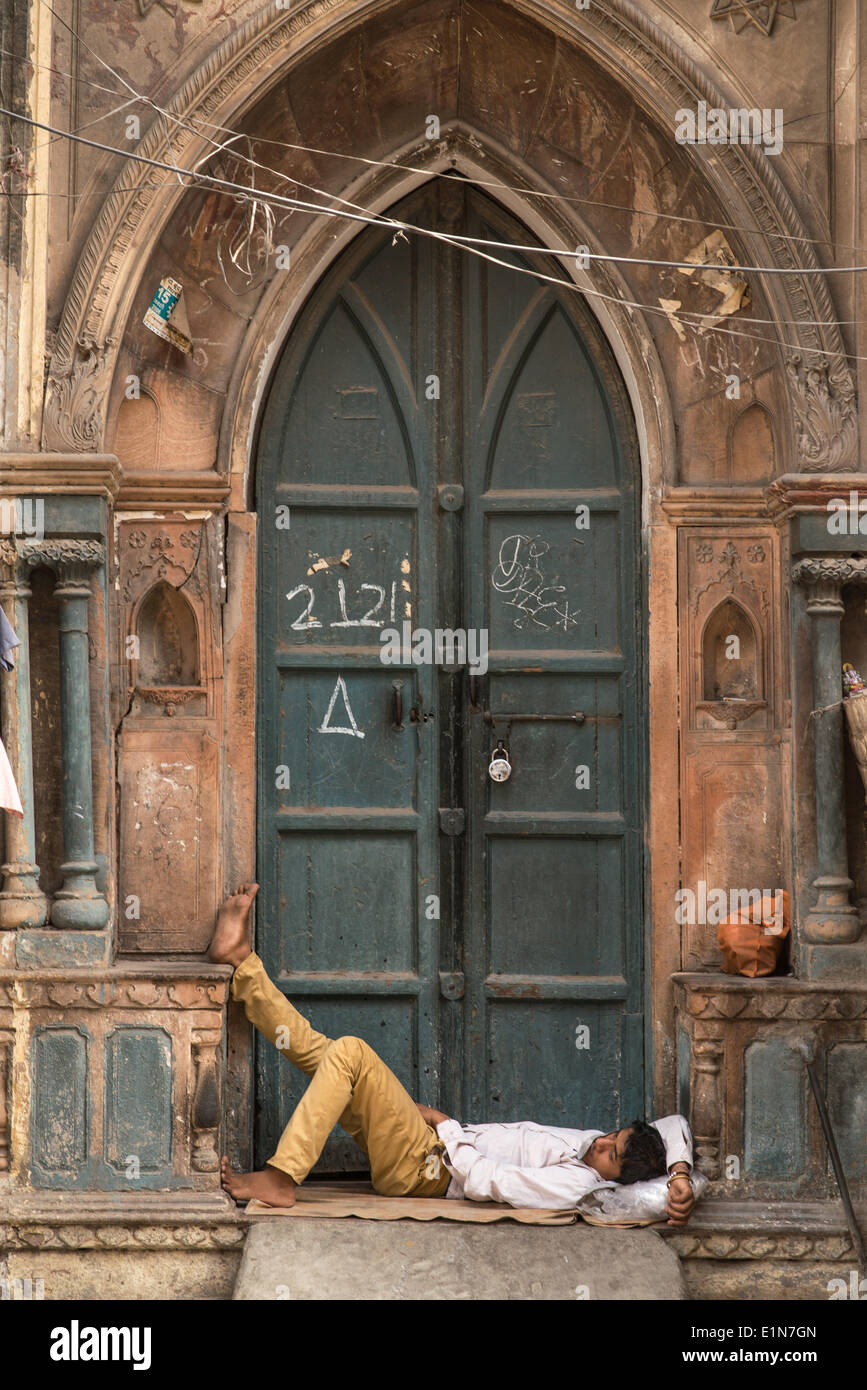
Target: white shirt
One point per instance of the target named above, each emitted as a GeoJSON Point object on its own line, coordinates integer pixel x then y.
{"type": "Point", "coordinates": [530, 1165]}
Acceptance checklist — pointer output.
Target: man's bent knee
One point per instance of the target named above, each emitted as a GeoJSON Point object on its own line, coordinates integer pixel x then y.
{"type": "Point", "coordinates": [350, 1046]}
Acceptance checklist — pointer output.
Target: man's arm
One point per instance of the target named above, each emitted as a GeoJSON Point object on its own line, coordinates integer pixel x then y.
{"type": "Point", "coordinates": [677, 1138]}
{"type": "Point", "coordinates": [559, 1186]}
{"type": "Point", "coordinates": [429, 1115]}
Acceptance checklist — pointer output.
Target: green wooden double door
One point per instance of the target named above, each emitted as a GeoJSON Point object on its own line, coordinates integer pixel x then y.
{"type": "Point", "coordinates": [447, 446]}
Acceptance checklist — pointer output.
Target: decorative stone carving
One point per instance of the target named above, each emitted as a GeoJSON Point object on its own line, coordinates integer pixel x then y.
{"type": "Point", "coordinates": [730, 715]}
{"type": "Point", "coordinates": [116, 992]}
{"type": "Point", "coordinates": [826, 417]}
{"type": "Point", "coordinates": [706, 1105]}
{"type": "Point", "coordinates": [205, 1111]}
{"type": "Point", "coordinates": [730, 575]}
{"type": "Point", "coordinates": [762, 14]}
{"type": "Point", "coordinates": [55, 552]}
{"type": "Point", "coordinates": [738, 1246]}
{"type": "Point", "coordinates": [128, 1234]}
{"type": "Point", "coordinates": [160, 557]}
{"type": "Point", "coordinates": [5, 1118]}
{"type": "Point", "coordinates": [168, 625]}
{"type": "Point", "coordinates": [819, 571]}
{"type": "Point", "coordinates": [76, 391]}
{"type": "Point", "coordinates": [731, 703]}
{"type": "Point", "coordinates": [643, 58]}
{"type": "Point", "coordinates": [766, 1006]}
{"type": "Point", "coordinates": [145, 6]}
{"type": "Point", "coordinates": [169, 640]}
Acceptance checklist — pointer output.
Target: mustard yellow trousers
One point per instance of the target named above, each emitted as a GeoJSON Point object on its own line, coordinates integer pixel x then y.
{"type": "Point", "coordinates": [351, 1086]}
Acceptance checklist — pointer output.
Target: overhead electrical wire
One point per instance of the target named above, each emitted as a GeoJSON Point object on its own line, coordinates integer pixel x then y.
{"type": "Point", "coordinates": [658, 215]}
{"type": "Point", "coordinates": [584, 254]}
{"type": "Point", "coordinates": [392, 224]}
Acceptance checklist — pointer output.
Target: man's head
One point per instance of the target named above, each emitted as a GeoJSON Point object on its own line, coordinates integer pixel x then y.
{"type": "Point", "coordinates": [634, 1154]}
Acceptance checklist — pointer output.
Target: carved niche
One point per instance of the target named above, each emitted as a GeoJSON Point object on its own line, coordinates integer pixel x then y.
{"type": "Point", "coordinates": [732, 666]}
{"type": "Point", "coordinates": [169, 670]}
{"type": "Point", "coordinates": [137, 436]}
{"type": "Point", "coordinates": [731, 624]}
{"type": "Point", "coordinates": [751, 448]}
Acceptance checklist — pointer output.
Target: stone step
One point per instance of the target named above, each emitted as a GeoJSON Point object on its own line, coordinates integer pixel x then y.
{"type": "Point", "coordinates": [300, 1258]}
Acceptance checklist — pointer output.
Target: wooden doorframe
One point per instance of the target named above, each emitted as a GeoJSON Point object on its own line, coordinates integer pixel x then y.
{"type": "Point", "coordinates": [645, 382]}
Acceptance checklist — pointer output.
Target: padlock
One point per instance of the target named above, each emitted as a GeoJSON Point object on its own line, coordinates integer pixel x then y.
{"type": "Point", "coordinates": [500, 768]}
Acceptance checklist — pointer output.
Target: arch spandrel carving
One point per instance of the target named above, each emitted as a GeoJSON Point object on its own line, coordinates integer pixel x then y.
{"type": "Point", "coordinates": [644, 62]}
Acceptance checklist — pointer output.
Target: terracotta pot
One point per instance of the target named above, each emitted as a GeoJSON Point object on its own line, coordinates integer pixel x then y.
{"type": "Point", "coordinates": [751, 940]}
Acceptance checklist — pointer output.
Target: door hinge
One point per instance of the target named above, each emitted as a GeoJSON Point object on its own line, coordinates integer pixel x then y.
{"type": "Point", "coordinates": [452, 984]}
{"type": "Point", "coordinates": [452, 819]}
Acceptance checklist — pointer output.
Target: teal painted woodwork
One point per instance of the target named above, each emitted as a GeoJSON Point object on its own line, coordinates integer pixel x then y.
{"type": "Point", "coordinates": [138, 1101]}
{"type": "Point", "coordinates": [495, 962]}
{"type": "Point", "coordinates": [683, 1070]}
{"type": "Point", "coordinates": [775, 1096]}
{"type": "Point", "coordinates": [138, 1117]}
{"type": "Point", "coordinates": [847, 1105]}
{"type": "Point", "coordinates": [60, 1127]}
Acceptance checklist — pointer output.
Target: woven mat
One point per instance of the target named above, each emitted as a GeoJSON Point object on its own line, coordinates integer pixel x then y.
{"type": "Point", "coordinates": [335, 1199]}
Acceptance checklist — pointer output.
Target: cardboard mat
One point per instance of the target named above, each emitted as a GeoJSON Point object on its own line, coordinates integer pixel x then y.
{"type": "Point", "coordinates": [335, 1199]}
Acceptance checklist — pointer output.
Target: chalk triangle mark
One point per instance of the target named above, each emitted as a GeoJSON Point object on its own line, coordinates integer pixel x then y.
{"type": "Point", "coordinates": [326, 727]}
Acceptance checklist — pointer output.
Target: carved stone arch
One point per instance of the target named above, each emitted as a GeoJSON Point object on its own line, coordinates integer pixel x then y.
{"type": "Point", "coordinates": [465, 152]}
{"type": "Point", "coordinates": [655, 72]}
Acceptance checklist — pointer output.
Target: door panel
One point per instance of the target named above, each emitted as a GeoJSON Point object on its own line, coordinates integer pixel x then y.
{"type": "Point", "coordinates": [474, 951]}
{"type": "Point", "coordinates": [346, 840]}
{"type": "Point", "coordinates": [553, 934]}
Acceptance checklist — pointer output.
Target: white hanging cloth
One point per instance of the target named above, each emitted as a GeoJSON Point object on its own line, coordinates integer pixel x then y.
{"type": "Point", "coordinates": [9, 798]}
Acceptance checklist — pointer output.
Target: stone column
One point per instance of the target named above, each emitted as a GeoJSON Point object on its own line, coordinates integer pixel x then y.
{"type": "Point", "coordinates": [707, 1109]}
{"type": "Point", "coordinates": [22, 902]}
{"type": "Point", "coordinates": [77, 905]}
{"type": "Point", "coordinates": [833, 918]}
{"type": "Point", "coordinates": [205, 1107]}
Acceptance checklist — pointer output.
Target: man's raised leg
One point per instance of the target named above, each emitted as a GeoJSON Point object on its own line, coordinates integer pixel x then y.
{"type": "Point", "coordinates": [270, 1011]}
{"type": "Point", "coordinates": [351, 1086]}
{"type": "Point", "coordinates": [279, 1021]}
{"type": "Point", "coordinates": [265, 1005]}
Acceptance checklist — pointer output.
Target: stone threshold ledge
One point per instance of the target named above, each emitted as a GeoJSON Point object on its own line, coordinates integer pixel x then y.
{"type": "Point", "coordinates": [187, 1246]}
{"type": "Point", "coordinates": [719, 1229]}
{"type": "Point", "coordinates": [130, 1246]}
{"type": "Point", "coordinates": [747, 1251]}
{"type": "Point", "coordinates": [755, 1230]}
{"type": "Point", "coordinates": [108, 1221]}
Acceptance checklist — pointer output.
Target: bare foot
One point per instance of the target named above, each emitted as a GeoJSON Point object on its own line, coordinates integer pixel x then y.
{"type": "Point", "coordinates": [271, 1185]}
{"type": "Point", "coordinates": [231, 941]}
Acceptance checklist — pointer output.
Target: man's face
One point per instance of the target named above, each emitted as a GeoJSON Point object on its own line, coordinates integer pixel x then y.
{"type": "Point", "coordinates": [606, 1153]}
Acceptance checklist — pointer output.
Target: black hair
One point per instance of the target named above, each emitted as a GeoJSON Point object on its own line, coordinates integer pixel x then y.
{"type": "Point", "coordinates": [644, 1154]}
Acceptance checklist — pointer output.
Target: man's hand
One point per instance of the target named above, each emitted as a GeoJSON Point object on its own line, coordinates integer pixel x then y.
{"type": "Point", "coordinates": [431, 1117]}
{"type": "Point", "coordinates": [681, 1200]}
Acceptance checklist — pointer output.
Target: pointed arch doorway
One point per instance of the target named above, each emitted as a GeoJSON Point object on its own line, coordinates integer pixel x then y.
{"type": "Point", "coordinates": [448, 445]}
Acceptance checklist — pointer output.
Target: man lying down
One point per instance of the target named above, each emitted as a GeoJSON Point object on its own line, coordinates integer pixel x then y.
{"type": "Point", "coordinates": [413, 1150]}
